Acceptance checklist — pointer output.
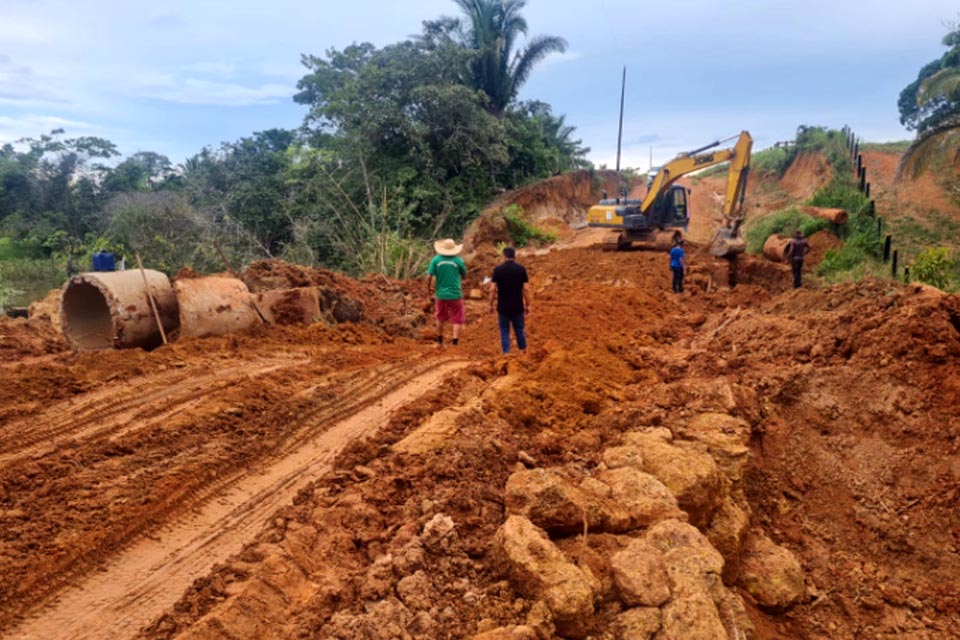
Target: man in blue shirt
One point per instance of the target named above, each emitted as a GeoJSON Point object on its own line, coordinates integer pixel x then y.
{"type": "Point", "coordinates": [678, 264]}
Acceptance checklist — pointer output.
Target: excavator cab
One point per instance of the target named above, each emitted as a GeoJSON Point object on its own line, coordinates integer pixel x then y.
{"type": "Point", "coordinates": [670, 209]}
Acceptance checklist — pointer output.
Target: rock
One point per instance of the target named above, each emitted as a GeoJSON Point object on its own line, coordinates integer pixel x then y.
{"type": "Point", "coordinates": [690, 474]}
{"type": "Point", "coordinates": [416, 591]}
{"type": "Point", "coordinates": [637, 499]}
{"type": "Point", "coordinates": [540, 619]}
{"type": "Point", "coordinates": [633, 438]}
{"type": "Point", "coordinates": [438, 532]}
{"type": "Point", "coordinates": [626, 456]}
{"type": "Point", "coordinates": [596, 488]}
{"type": "Point", "coordinates": [733, 613]}
{"type": "Point", "coordinates": [508, 633]}
{"type": "Point", "coordinates": [640, 623]}
{"type": "Point", "coordinates": [539, 570]}
{"type": "Point", "coordinates": [551, 501]}
{"type": "Point", "coordinates": [693, 565]}
{"type": "Point", "coordinates": [725, 438]}
{"type": "Point", "coordinates": [640, 575]}
{"type": "Point", "coordinates": [770, 573]}
{"type": "Point", "coordinates": [726, 533]}
{"type": "Point", "coordinates": [692, 618]}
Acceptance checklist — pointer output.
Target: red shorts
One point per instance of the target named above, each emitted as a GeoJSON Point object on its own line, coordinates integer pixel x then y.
{"type": "Point", "coordinates": [451, 311]}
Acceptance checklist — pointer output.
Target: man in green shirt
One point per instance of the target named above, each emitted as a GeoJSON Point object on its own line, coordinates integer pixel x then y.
{"type": "Point", "coordinates": [446, 269]}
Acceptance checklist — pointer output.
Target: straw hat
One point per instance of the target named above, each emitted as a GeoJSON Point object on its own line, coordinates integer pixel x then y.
{"type": "Point", "coordinates": [447, 247]}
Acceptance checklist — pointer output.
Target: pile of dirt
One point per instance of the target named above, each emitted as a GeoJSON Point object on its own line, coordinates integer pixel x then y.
{"type": "Point", "coordinates": [393, 305]}
{"type": "Point", "coordinates": [551, 204]}
{"type": "Point", "coordinates": [22, 338]}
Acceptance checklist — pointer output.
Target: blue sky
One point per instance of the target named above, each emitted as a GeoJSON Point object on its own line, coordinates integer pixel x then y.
{"type": "Point", "coordinates": [174, 77]}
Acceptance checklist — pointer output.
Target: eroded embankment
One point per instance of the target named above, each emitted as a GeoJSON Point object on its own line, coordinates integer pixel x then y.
{"type": "Point", "coordinates": [735, 464]}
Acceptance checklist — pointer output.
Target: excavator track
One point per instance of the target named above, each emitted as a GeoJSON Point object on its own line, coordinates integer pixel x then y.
{"type": "Point", "coordinates": [613, 241]}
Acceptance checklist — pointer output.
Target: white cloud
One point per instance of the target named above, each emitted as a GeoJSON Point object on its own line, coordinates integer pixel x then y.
{"type": "Point", "coordinates": [204, 92]}
{"type": "Point", "coordinates": [21, 86]}
{"type": "Point", "coordinates": [14, 128]}
{"type": "Point", "coordinates": [222, 69]}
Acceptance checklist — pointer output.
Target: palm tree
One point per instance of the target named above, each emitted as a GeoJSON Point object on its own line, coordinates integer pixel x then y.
{"type": "Point", "coordinates": [943, 85]}
{"type": "Point", "coordinates": [939, 96]}
{"type": "Point", "coordinates": [492, 29]}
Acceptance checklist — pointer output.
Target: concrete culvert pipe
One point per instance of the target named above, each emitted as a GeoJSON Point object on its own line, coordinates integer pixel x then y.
{"type": "Point", "coordinates": [214, 306]}
{"type": "Point", "coordinates": [103, 310]}
{"type": "Point", "coordinates": [775, 248]}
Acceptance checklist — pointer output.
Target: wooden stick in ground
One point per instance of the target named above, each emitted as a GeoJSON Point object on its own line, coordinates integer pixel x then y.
{"type": "Point", "coordinates": [153, 303]}
{"type": "Point", "coordinates": [226, 263]}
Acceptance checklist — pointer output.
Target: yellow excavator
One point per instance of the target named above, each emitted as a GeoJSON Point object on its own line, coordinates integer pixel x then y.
{"type": "Point", "coordinates": [657, 219]}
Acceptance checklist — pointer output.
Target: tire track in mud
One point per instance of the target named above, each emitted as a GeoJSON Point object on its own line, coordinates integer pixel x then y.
{"type": "Point", "coordinates": [148, 577]}
{"type": "Point", "coordinates": [130, 407]}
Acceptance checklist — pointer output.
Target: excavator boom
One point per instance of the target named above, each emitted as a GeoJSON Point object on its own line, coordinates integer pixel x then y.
{"type": "Point", "coordinates": [664, 208]}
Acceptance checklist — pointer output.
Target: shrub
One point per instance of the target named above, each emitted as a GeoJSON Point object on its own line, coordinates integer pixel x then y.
{"type": "Point", "coordinates": [934, 266]}
{"type": "Point", "coordinates": [785, 222]}
{"type": "Point", "coordinates": [521, 231]}
{"type": "Point", "coordinates": [23, 281]}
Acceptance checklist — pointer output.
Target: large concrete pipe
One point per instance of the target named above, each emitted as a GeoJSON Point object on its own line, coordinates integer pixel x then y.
{"type": "Point", "coordinates": [111, 309]}
{"type": "Point", "coordinates": [290, 306]}
{"type": "Point", "coordinates": [775, 248]}
{"type": "Point", "coordinates": [214, 306]}
{"type": "Point", "coordinates": [836, 216]}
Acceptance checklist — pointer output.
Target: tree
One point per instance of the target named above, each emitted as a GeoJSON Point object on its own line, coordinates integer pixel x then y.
{"type": "Point", "coordinates": [931, 105]}
{"type": "Point", "coordinates": [491, 31]}
{"type": "Point", "coordinates": [143, 171]}
{"type": "Point", "coordinates": [52, 186]}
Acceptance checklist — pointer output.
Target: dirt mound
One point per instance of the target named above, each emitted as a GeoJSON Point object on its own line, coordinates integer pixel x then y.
{"type": "Point", "coordinates": [22, 338]}
{"type": "Point", "coordinates": [546, 203]}
{"type": "Point", "coordinates": [807, 173]}
{"type": "Point", "coordinates": [393, 305]}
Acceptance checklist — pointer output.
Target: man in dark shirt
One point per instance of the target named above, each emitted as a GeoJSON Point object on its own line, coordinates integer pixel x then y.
{"type": "Point", "coordinates": [510, 289]}
{"type": "Point", "coordinates": [796, 249]}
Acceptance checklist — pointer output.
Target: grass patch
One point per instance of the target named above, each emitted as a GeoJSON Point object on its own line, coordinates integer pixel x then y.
{"type": "Point", "coordinates": [784, 222]}
{"type": "Point", "coordinates": [523, 232]}
{"type": "Point", "coordinates": [11, 249]}
{"type": "Point", "coordinates": [889, 147]}
{"type": "Point", "coordinates": [23, 281]}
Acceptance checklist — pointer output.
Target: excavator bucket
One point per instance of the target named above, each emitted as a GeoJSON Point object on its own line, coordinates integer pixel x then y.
{"type": "Point", "coordinates": [727, 243]}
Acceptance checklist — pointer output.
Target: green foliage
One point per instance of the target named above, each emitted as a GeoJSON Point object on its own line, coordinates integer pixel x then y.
{"type": "Point", "coordinates": [861, 242]}
{"type": "Point", "coordinates": [830, 142]}
{"type": "Point", "coordinates": [521, 231]}
{"type": "Point", "coordinates": [840, 194]}
{"type": "Point", "coordinates": [401, 144]}
{"type": "Point", "coordinates": [24, 280]}
{"type": "Point", "coordinates": [491, 29]}
{"type": "Point", "coordinates": [783, 222]}
{"type": "Point", "coordinates": [898, 146]}
{"type": "Point", "coordinates": [931, 105]}
{"type": "Point", "coordinates": [773, 161]}
{"type": "Point", "coordinates": [935, 266]}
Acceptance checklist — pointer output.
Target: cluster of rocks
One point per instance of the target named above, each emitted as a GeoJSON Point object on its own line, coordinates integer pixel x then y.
{"type": "Point", "coordinates": [667, 526]}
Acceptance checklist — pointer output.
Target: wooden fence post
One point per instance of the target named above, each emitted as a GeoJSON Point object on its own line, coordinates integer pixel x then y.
{"type": "Point", "coordinates": [887, 244]}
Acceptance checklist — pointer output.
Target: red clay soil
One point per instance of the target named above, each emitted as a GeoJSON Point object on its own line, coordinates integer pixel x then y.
{"type": "Point", "coordinates": [851, 394]}
{"type": "Point", "coordinates": [906, 195]}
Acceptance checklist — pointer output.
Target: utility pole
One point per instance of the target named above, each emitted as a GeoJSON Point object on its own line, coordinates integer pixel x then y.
{"type": "Point", "coordinates": [623, 87]}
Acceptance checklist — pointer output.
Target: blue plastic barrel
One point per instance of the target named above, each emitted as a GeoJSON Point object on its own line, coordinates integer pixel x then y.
{"type": "Point", "coordinates": [104, 261]}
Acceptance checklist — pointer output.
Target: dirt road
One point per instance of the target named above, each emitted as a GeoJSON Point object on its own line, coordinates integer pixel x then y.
{"type": "Point", "coordinates": [151, 574]}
